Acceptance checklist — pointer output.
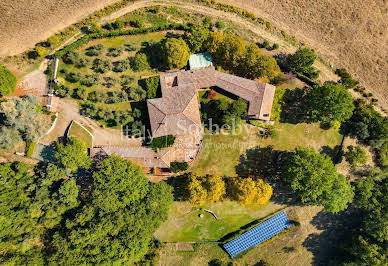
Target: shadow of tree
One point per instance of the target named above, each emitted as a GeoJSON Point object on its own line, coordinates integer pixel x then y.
{"type": "Point", "coordinates": [326, 246]}
{"type": "Point", "coordinates": [294, 106]}
{"type": "Point", "coordinates": [334, 153]}
{"type": "Point", "coordinates": [179, 184]}
{"type": "Point", "coordinates": [262, 162]}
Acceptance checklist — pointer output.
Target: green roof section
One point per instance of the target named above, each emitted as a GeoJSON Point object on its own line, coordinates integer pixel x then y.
{"type": "Point", "coordinates": [201, 60]}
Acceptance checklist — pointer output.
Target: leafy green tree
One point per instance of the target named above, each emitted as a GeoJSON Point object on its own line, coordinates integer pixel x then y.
{"type": "Point", "coordinates": [140, 62]}
{"type": "Point", "coordinates": [152, 84]}
{"type": "Point", "coordinates": [315, 179]}
{"type": "Point", "coordinates": [116, 224]}
{"type": "Point", "coordinates": [30, 205]}
{"type": "Point", "coordinates": [175, 53]}
{"type": "Point", "coordinates": [356, 156]}
{"type": "Point", "coordinates": [302, 60]}
{"type": "Point", "coordinates": [330, 102]}
{"type": "Point", "coordinates": [7, 81]}
{"type": "Point", "coordinates": [221, 112]}
{"type": "Point", "coordinates": [73, 155]}
{"type": "Point", "coordinates": [197, 38]}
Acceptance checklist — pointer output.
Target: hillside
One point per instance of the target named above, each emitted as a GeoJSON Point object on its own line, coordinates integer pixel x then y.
{"type": "Point", "coordinates": [351, 34]}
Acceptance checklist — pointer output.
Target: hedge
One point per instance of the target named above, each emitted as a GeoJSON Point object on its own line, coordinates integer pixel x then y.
{"type": "Point", "coordinates": [306, 79]}
{"type": "Point", "coordinates": [179, 166]}
{"type": "Point", "coordinates": [162, 142]}
{"type": "Point", "coordinates": [30, 148]}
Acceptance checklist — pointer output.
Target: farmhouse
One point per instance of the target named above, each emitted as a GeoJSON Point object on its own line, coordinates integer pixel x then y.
{"type": "Point", "coordinates": [177, 112]}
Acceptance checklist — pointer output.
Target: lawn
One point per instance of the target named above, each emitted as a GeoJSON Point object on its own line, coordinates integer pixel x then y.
{"type": "Point", "coordinates": [221, 153]}
{"type": "Point", "coordinates": [184, 223]}
{"type": "Point", "coordinates": [77, 131]}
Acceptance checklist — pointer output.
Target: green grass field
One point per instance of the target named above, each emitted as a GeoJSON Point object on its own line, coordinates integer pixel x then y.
{"type": "Point", "coordinates": [77, 131]}
{"type": "Point", "coordinates": [220, 153]}
{"type": "Point", "coordinates": [184, 224]}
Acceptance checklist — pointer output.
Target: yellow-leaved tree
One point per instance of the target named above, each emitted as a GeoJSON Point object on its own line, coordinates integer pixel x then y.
{"type": "Point", "coordinates": [197, 194]}
{"type": "Point", "coordinates": [247, 191]}
{"type": "Point", "coordinates": [215, 186]}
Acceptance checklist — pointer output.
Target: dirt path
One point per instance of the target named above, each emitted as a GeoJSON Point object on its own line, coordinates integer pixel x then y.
{"type": "Point", "coordinates": [68, 110]}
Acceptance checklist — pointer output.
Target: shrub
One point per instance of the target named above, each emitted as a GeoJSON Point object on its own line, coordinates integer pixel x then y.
{"type": "Point", "coordinates": [265, 44]}
{"type": "Point", "coordinates": [137, 94]}
{"type": "Point", "coordinates": [179, 166]}
{"type": "Point", "coordinates": [129, 47]}
{"type": "Point", "coordinates": [162, 142]}
{"type": "Point", "coordinates": [63, 91]}
{"type": "Point", "coordinates": [118, 24]}
{"type": "Point", "coordinates": [219, 25]}
{"type": "Point", "coordinates": [140, 62]}
{"type": "Point", "coordinates": [115, 52]}
{"type": "Point", "coordinates": [152, 85]}
{"type": "Point", "coordinates": [109, 82]}
{"type": "Point", "coordinates": [81, 93]}
{"type": "Point", "coordinates": [346, 79]}
{"type": "Point", "coordinates": [137, 22]}
{"type": "Point", "coordinates": [102, 65]}
{"type": "Point", "coordinates": [73, 77]}
{"type": "Point", "coordinates": [95, 50]}
{"type": "Point", "coordinates": [275, 46]}
{"type": "Point", "coordinates": [7, 81]}
{"type": "Point", "coordinates": [82, 62]}
{"type": "Point", "coordinates": [70, 57]}
{"type": "Point", "coordinates": [356, 156]}
{"type": "Point", "coordinates": [121, 66]}
{"type": "Point", "coordinates": [89, 80]}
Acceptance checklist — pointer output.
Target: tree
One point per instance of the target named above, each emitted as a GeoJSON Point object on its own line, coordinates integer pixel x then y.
{"type": "Point", "coordinates": [73, 155]}
{"type": "Point", "coordinates": [30, 205]}
{"type": "Point", "coordinates": [9, 137]}
{"type": "Point", "coordinates": [22, 115]}
{"type": "Point", "coordinates": [175, 53]}
{"type": "Point", "coordinates": [7, 81]}
{"type": "Point", "coordinates": [302, 60]}
{"type": "Point", "coordinates": [215, 186]}
{"type": "Point", "coordinates": [116, 224]}
{"type": "Point", "coordinates": [179, 166]}
{"type": "Point", "coordinates": [197, 38]}
{"type": "Point", "coordinates": [248, 191]}
{"type": "Point", "coordinates": [102, 65]}
{"type": "Point", "coordinates": [197, 193]}
{"type": "Point", "coordinates": [152, 84]}
{"type": "Point", "coordinates": [315, 179]}
{"type": "Point", "coordinates": [330, 102]}
{"type": "Point", "coordinates": [140, 62]}
{"type": "Point", "coordinates": [256, 65]}
{"type": "Point", "coordinates": [356, 156]}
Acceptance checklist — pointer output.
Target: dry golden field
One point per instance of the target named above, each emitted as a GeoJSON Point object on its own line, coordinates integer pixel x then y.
{"type": "Point", "coordinates": [351, 34]}
{"type": "Point", "coordinates": [23, 23]}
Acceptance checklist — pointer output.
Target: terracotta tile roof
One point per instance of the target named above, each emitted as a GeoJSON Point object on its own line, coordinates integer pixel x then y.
{"type": "Point", "coordinates": [178, 109]}
{"type": "Point", "coordinates": [141, 155]}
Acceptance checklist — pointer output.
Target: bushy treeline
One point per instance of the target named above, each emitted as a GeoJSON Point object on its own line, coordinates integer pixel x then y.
{"type": "Point", "coordinates": [106, 215]}
{"type": "Point", "coordinates": [210, 188]}
{"type": "Point", "coordinates": [370, 127]}
{"type": "Point", "coordinates": [243, 59]}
